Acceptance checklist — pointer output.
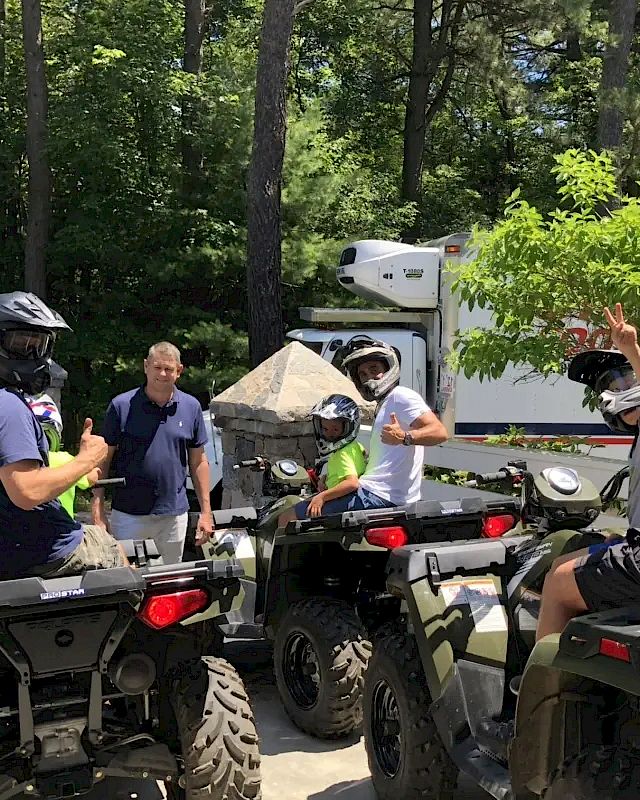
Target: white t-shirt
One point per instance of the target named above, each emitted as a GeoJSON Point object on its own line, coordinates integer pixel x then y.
{"type": "Point", "coordinates": [394, 472]}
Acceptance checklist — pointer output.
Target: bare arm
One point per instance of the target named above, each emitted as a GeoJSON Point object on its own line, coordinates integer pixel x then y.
{"type": "Point", "coordinates": [425, 430]}
{"type": "Point", "coordinates": [28, 484]}
{"type": "Point", "coordinates": [98, 513]}
{"type": "Point", "coordinates": [348, 485]}
{"type": "Point", "coordinates": [624, 336]}
{"type": "Point", "coordinates": [199, 470]}
{"type": "Point", "coordinates": [428, 430]}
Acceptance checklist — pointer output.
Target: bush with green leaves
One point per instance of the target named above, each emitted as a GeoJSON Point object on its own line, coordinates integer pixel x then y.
{"type": "Point", "coordinates": [538, 272]}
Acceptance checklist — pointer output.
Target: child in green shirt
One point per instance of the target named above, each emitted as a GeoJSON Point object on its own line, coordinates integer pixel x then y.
{"type": "Point", "coordinates": [336, 424]}
{"type": "Point", "coordinates": [47, 414]}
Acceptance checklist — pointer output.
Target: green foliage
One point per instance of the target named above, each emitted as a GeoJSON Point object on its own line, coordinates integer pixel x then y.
{"type": "Point", "coordinates": [137, 255]}
{"type": "Point", "coordinates": [537, 272]}
{"type": "Point", "coordinates": [516, 436]}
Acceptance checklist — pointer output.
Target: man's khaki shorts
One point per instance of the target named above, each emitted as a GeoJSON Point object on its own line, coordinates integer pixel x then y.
{"type": "Point", "coordinates": [97, 550]}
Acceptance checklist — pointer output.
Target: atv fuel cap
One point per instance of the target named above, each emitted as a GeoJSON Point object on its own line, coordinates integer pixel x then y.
{"type": "Point", "coordinates": [563, 479]}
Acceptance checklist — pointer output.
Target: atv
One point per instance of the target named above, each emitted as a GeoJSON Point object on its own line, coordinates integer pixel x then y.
{"type": "Point", "coordinates": [101, 683]}
{"type": "Point", "coordinates": [459, 668]}
{"type": "Point", "coordinates": [317, 587]}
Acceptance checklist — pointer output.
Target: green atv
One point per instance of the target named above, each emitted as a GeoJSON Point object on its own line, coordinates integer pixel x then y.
{"type": "Point", "coordinates": [317, 587]}
{"type": "Point", "coordinates": [456, 684]}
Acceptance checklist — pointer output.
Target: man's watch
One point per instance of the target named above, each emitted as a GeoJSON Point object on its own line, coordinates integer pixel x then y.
{"type": "Point", "coordinates": [408, 440]}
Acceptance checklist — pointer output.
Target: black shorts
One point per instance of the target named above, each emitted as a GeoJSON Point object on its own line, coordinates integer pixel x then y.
{"type": "Point", "coordinates": [610, 577]}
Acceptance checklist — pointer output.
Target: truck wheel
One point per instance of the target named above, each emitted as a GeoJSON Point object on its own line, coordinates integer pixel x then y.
{"type": "Point", "coordinates": [407, 758]}
{"type": "Point", "coordinates": [320, 657]}
{"type": "Point", "coordinates": [605, 773]}
{"type": "Point", "coordinates": [217, 734]}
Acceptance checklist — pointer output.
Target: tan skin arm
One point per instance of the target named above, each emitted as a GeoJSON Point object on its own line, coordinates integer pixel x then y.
{"type": "Point", "coordinates": [426, 430]}
{"type": "Point", "coordinates": [348, 485]}
{"type": "Point", "coordinates": [624, 336]}
{"type": "Point", "coordinates": [199, 470]}
{"type": "Point", "coordinates": [98, 513]}
{"type": "Point", "coordinates": [28, 484]}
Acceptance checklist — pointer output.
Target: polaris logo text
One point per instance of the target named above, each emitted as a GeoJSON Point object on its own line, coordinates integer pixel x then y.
{"type": "Point", "coordinates": [63, 594]}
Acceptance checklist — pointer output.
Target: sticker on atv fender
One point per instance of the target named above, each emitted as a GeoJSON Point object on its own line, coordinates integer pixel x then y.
{"type": "Point", "coordinates": [482, 598]}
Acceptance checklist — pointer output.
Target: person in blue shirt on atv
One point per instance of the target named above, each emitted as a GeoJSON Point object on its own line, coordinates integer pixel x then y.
{"type": "Point", "coordinates": [37, 536]}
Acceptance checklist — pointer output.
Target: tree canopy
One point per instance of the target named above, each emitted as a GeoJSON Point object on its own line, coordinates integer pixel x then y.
{"type": "Point", "coordinates": [137, 252]}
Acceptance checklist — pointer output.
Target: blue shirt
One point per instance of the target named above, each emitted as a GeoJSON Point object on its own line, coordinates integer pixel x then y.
{"type": "Point", "coordinates": [152, 455]}
{"type": "Point", "coordinates": [46, 533]}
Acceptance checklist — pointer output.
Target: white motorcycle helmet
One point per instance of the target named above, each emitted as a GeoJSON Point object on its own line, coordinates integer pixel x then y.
{"type": "Point", "coordinates": [362, 349]}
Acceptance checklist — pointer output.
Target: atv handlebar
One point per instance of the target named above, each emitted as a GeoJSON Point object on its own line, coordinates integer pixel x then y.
{"type": "Point", "coordinates": [110, 482]}
{"type": "Point", "coordinates": [251, 463]}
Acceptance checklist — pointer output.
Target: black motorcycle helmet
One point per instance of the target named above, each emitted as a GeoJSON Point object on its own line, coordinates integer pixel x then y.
{"type": "Point", "coordinates": [611, 377]}
{"type": "Point", "coordinates": [28, 330]}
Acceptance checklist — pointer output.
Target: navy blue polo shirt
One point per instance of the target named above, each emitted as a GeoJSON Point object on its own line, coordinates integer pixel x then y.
{"type": "Point", "coordinates": [153, 443]}
{"type": "Point", "coordinates": [46, 533]}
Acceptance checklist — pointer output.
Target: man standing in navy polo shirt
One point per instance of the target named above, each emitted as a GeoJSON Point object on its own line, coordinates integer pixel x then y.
{"type": "Point", "coordinates": [154, 433]}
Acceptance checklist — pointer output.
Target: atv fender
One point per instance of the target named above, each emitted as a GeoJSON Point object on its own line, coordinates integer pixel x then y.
{"type": "Point", "coordinates": [553, 686]}
{"type": "Point", "coordinates": [459, 624]}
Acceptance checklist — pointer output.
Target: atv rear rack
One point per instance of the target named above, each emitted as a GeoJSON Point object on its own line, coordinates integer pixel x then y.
{"type": "Point", "coordinates": [465, 514]}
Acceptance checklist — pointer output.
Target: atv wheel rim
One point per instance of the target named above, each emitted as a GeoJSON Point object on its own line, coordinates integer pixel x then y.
{"type": "Point", "coordinates": [301, 668]}
{"type": "Point", "coordinates": [385, 729]}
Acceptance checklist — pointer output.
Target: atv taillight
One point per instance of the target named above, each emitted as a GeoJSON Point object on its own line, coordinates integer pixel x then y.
{"type": "Point", "coordinates": [613, 649]}
{"type": "Point", "coordinates": [493, 527]}
{"type": "Point", "coordinates": [162, 610]}
{"type": "Point", "coordinates": [395, 536]}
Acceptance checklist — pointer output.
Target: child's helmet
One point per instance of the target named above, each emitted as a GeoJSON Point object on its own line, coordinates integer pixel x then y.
{"type": "Point", "coordinates": [47, 414]}
{"type": "Point", "coordinates": [611, 377]}
{"type": "Point", "coordinates": [335, 406]}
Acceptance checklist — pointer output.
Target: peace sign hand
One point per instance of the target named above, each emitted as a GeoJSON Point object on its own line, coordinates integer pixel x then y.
{"type": "Point", "coordinates": [623, 335]}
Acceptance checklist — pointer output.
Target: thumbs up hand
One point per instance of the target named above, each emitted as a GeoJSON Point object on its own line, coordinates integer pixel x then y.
{"type": "Point", "coordinates": [92, 448]}
{"type": "Point", "coordinates": [392, 433]}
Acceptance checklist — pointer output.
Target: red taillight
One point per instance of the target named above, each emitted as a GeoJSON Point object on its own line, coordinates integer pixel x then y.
{"type": "Point", "coordinates": [395, 536]}
{"type": "Point", "coordinates": [613, 649]}
{"type": "Point", "coordinates": [163, 610]}
{"type": "Point", "coordinates": [493, 527]}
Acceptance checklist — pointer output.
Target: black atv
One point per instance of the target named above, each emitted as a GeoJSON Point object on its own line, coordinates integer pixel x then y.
{"type": "Point", "coordinates": [101, 681]}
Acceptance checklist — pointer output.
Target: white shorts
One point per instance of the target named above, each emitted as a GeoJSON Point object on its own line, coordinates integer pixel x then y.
{"type": "Point", "coordinates": [168, 531]}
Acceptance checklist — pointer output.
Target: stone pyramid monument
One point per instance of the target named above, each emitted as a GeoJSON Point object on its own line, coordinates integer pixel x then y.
{"type": "Point", "coordinates": [267, 413]}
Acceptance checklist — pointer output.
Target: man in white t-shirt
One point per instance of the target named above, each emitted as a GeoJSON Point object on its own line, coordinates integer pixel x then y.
{"type": "Point", "coordinates": [403, 425]}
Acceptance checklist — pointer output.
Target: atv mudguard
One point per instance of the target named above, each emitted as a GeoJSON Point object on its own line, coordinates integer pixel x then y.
{"type": "Point", "coordinates": [460, 627]}
{"type": "Point", "coordinates": [553, 685]}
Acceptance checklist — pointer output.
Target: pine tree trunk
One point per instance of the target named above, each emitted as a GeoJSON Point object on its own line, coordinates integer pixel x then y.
{"type": "Point", "coordinates": [622, 14]}
{"type": "Point", "coordinates": [194, 30]}
{"type": "Point", "coordinates": [416, 109]}
{"type": "Point", "coordinates": [264, 182]}
{"type": "Point", "coordinates": [39, 201]}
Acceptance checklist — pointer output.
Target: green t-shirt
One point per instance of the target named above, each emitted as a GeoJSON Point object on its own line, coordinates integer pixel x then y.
{"type": "Point", "coordinates": [344, 463]}
{"type": "Point", "coordinates": [57, 459]}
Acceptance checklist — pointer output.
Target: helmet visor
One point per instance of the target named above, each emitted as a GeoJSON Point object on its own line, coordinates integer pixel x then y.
{"type": "Point", "coordinates": [616, 380]}
{"type": "Point", "coordinates": [23, 344]}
